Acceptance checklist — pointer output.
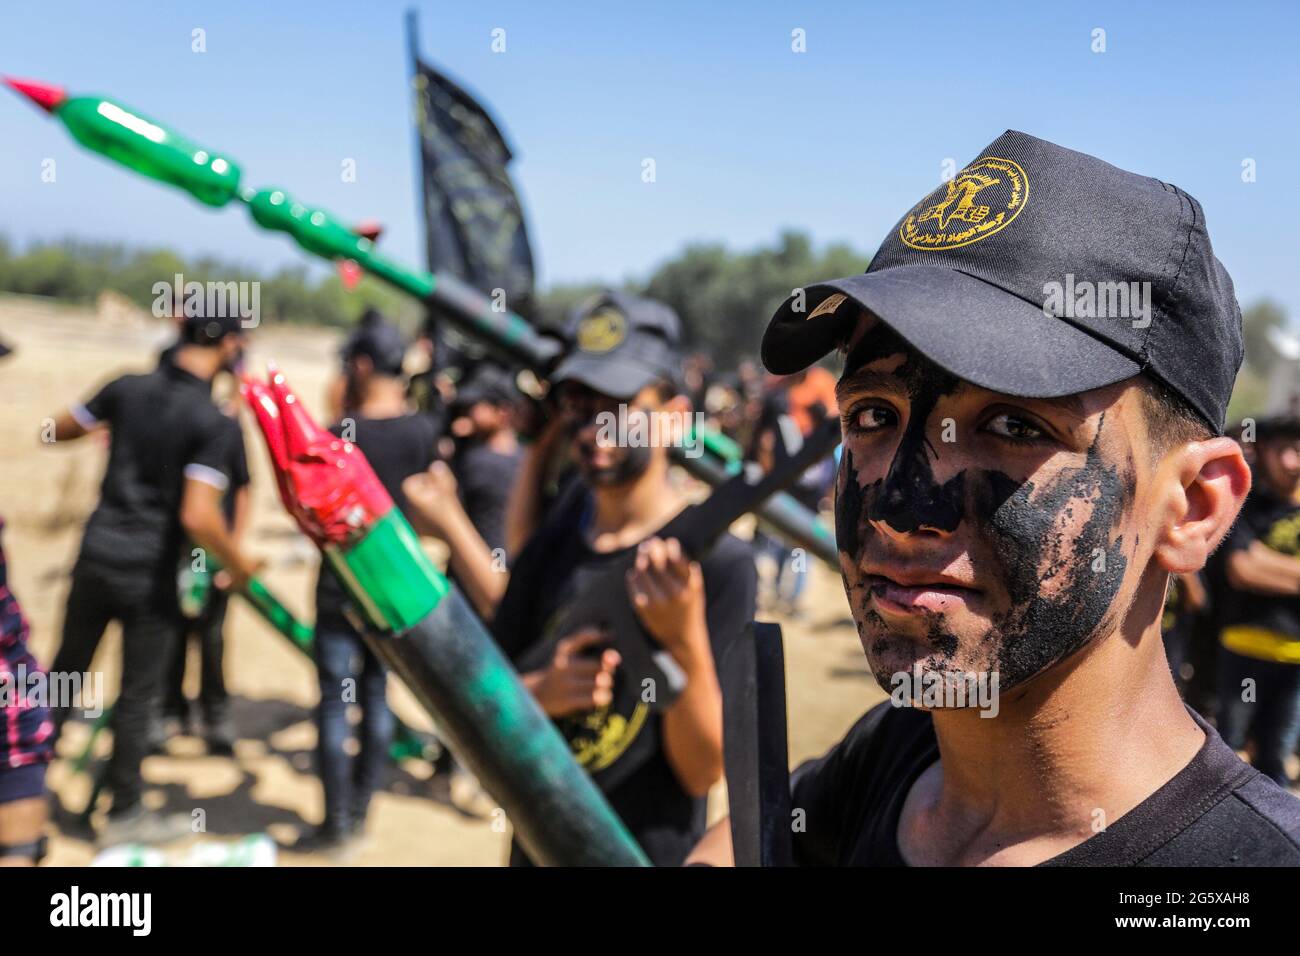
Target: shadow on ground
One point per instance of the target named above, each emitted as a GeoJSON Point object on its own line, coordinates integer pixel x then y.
{"type": "Point", "coordinates": [241, 807]}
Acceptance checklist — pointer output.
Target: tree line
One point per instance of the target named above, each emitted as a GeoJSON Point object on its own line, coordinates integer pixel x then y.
{"type": "Point", "coordinates": [724, 297]}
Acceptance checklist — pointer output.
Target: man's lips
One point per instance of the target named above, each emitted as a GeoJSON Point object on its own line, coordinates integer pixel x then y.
{"type": "Point", "coordinates": [916, 593]}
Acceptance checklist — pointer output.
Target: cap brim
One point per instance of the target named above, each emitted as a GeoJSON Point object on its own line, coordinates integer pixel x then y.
{"type": "Point", "coordinates": [607, 374]}
{"type": "Point", "coordinates": [967, 326]}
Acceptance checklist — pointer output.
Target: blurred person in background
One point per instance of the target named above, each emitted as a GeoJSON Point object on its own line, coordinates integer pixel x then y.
{"type": "Point", "coordinates": [623, 355]}
{"type": "Point", "coordinates": [1186, 600]}
{"type": "Point", "coordinates": [1259, 663]}
{"type": "Point", "coordinates": [486, 456]}
{"type": "Point", "coordinates": [429, 388]}
{"type": "Point", "coordinates": [26, 732]}
{"type": "Point", "coordinates": [697, 375]}
{"type": "Point", "coordinates": [397, 443]}
{"type": "Point", "coordinates": [793, 408]}
{"type": "Point", "coordinates": [168, 471]}
{"type": "Point", "coordinates": [484, 464]}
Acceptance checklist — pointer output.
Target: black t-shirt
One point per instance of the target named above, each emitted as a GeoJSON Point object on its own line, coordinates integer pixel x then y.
{"type": "Point", "coordinates": [1216, 811]}
{"type": "Point", "coordinates": [1276, 522]}
{"type": "Point", "coordinates": [164, 428]}
{"type": "Point", "coordinates": [237, 468]}
{"type": "Point", "coordinates": [483, 479]}
{"type": "Point", "coordinates": [665, 820]}
{"type": "Point", "coordinates": [396, 449]}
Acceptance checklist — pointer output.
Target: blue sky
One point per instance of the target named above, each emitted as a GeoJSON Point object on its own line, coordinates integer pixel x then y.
{"type": "Point", "coordinates": [748, 137]}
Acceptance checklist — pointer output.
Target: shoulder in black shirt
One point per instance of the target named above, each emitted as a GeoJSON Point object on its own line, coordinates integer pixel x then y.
{"type": "Point", "coordinates": [1216, 811]}
{"type": "Point", "coordinates": [164, 428]}
{"type": "Point", "coordinates": [484, 478]}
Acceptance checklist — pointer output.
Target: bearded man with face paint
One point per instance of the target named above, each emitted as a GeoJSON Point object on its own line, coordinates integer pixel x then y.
{"type": "Point", "coordinates": [654, 763]}
{"type": "Point", "coordinates": [1021, 474]}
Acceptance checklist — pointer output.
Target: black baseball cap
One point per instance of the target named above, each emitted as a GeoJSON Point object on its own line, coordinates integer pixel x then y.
{"type": "Point", "coordinates": [1277, 428]}
{"type": "Point", "coordinates": [202, 328]}
{"type": "Point", "coordinates": [1028, 273]}
{"type": "Point", "coordinates": [377, 339]}
{"type": "Point", "coordinates": [619, 344]}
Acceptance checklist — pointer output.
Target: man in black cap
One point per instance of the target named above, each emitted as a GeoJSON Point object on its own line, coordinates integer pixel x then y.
{"type": "Point", "coordinates": [167, 474]}
{"type": "Point", "coordinates": [655, 765]}
{"type": "Point", "coordinates": [1259, 637]}
{"type": "Point", "coordinates": [1023, 469]}
{"type": "Point", "coordinates": [397, 443]}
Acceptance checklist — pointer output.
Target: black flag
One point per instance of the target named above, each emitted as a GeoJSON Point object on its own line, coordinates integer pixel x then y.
{"type": "Point", "coordinates": [473, 220]}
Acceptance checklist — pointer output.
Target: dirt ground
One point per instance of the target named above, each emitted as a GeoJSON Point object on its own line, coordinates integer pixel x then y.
{"type": "Point", "coordinates": [46, 493]}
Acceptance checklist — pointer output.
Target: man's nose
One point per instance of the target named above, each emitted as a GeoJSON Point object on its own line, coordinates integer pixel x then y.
{"type": "Point", "coordinates": [911, 500]}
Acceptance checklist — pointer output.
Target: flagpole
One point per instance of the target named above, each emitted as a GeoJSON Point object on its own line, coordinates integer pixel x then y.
{"type": "Point", "coordinates": [412, 27]}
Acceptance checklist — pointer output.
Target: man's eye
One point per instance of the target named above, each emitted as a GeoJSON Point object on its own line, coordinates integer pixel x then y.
{"type": "Point", "coordinates": [870, 418]}
{"type": "Point", "coordinates": [1015, 428]}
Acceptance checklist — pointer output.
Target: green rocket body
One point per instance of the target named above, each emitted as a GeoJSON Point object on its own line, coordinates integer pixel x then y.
{"type": "Point", "coordinates": [134, 140]}
{"type": "Point", "coordinates": [424, 629]}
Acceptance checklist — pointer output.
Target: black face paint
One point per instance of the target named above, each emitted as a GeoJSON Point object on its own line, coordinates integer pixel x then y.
{"type": "Point", "coordinates": [1061, 579]}
{"type": "Point", "coordinates": [849, 510]}
{"type": "Point", "coordinates": [630, 461]}
{"type": "Point", "coordinates": [908, 498]}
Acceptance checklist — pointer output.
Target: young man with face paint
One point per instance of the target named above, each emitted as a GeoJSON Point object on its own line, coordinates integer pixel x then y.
{"type": "Point", "coordinates": [1018, 482]}
{"type": "Point", "coordinates": [655, 765]}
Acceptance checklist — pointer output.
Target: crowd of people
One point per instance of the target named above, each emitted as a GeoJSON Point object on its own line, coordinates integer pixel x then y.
{"type": "Point", "coordinates": [529, 503]}
{"type": "Point", "coordinates": [516, 484]}
{"type": "Point", "coordinates": [1013, 498]}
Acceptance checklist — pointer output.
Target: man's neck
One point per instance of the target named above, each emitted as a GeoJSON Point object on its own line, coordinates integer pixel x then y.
{"type": "Point", "coordinates": [627, 514]}
{"type": "Point", "coordinates": [1067, 755]}
{"type": "Point", "coordinates": [202, 363]}
{"type": "Point", "coordinates": [382, 397]}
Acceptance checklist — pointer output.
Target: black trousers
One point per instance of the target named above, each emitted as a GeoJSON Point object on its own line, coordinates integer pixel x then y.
{"type": "Point", "coordinates": [207, 630]}
{"type": "Point", "coordinates": [145, 605]}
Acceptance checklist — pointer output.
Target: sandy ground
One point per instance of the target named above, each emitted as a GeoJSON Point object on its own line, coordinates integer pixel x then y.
{"type": "Point", "coordinates": [46, 493]}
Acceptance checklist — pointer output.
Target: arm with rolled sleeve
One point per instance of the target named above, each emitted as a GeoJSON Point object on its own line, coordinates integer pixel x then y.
{"type": "Point", "coordinates": [207, 479]}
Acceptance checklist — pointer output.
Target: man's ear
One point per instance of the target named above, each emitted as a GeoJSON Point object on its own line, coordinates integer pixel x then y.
{"type": "Point", "coordinates": [1212, 483]}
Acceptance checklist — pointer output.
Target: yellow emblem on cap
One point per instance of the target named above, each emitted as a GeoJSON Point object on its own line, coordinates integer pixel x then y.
{"type": "Point", "coordinates": [602, 330]}
{"type": "Point", "coordinates": [980, 200]}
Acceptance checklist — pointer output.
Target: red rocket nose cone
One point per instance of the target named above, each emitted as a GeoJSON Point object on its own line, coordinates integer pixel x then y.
{"type": "Point", "coordinates": [47, 97]}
